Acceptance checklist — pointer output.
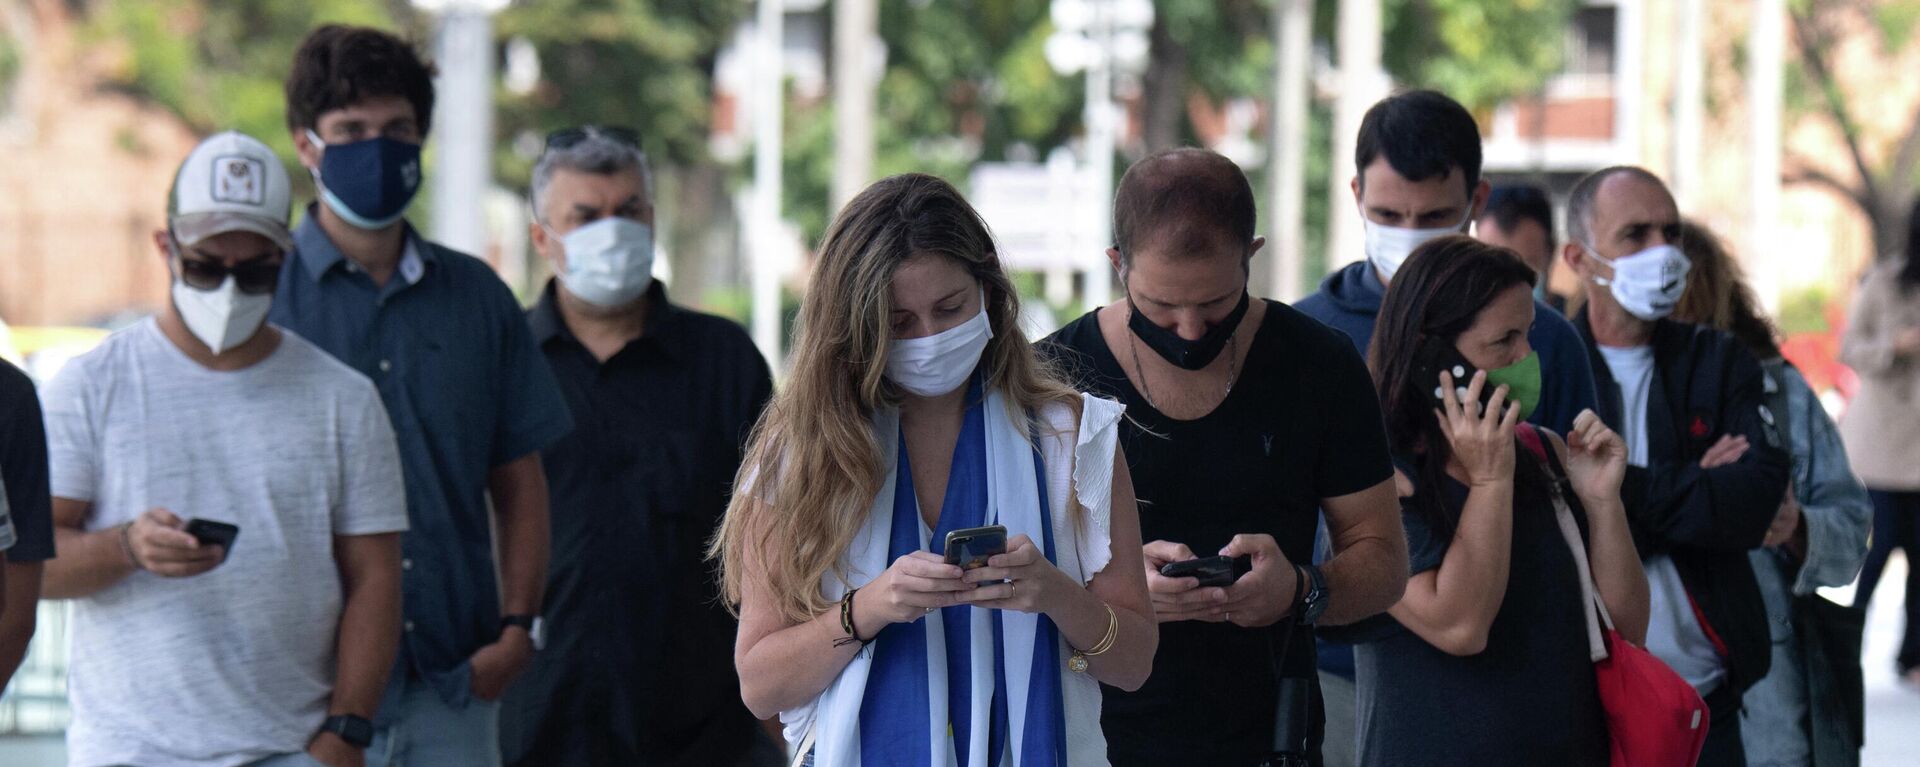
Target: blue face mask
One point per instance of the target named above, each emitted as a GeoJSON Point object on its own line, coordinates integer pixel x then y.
{"type": "Point", "coordinates": [368, 183]}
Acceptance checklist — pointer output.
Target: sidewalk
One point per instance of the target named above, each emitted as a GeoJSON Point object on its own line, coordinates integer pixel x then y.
{"type": "Point", "coordinates": [1893, 709]}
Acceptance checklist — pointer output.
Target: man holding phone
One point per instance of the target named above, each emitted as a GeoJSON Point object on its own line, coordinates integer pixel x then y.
{"type": "Point", "coordinates": [191, 645]}
{"type": "Point", "coordinates": [1245, 418]}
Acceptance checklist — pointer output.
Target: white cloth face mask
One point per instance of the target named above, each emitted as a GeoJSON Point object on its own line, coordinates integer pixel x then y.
{"type": "Point", "coordinates": [1647, 284]}
{"type": "Point", "coordinates": [224, 317]}
{"type": "Point", "coordinates": [609, 261]}
{"type": "Point", "coordinates": [940, 363]}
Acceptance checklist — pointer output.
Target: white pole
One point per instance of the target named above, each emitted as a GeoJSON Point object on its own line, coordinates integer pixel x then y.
{"type": "Point", "coordinates": [1630, 29]}
{"type": "Point", "coordinates": [1293, 26]}
{"type": "Point", "coordinates": [854, 25]}
{"type": "Point", "coordinates": [1100, 147]}
{"type": "Point", "coordinates": [1361, 85]}
{"type": "Point", "coordinates": [1689, 88]}
{"type": "Point", "coordinates": [1765, 58]}
{"type": "Point", "coordinates": [463, 130]}
{"type": "Point", "coordinates": [768, 87]}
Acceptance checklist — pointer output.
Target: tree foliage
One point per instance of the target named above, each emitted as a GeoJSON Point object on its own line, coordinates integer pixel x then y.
{"type": "Point", "coordinates": [1885, 162]}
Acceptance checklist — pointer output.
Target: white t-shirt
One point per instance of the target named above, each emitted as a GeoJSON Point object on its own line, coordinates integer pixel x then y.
{"type": "Point", "coordinates": [1673, 633]}
{"type": "Point", "coordinates": [235, 664]}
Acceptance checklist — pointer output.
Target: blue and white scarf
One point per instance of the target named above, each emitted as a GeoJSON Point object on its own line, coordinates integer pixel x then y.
{"type": "Point", "coordinates": [1013, 704]}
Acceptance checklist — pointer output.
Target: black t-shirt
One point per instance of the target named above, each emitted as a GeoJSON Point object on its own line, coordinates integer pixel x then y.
{"type": "Point", "coordinates": [1301, 424]}
{"type": "Point", "coordinates": [23, 467]}
{"type": "Point", "coordinates": [1529, 697]}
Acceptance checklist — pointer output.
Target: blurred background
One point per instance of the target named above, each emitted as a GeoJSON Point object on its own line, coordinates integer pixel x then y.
{"type": "Point", "coordinates": [1790, 126]}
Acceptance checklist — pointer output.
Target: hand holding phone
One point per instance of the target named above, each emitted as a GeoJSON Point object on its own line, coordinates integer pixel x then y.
{"type": "Point", "coordinates": [158, 542]}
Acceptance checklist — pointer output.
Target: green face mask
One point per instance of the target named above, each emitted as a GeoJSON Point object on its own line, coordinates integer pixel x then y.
{"type": "Point", "coordinates": [1522, 380]}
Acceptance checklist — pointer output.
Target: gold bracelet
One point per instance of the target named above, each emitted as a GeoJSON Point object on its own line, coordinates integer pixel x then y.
{"type": "Point", "coordinates": [1078, 662]}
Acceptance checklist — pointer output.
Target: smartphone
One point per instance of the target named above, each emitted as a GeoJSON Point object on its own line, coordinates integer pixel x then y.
{"type": "Point", "coordinates": [1437, 356]}
{"type": "Point", "coordinates": [211, 533]}
{"type": "Point", "coordinates": [1212, 571]}
{"type": "Point", "coordinates": [970, 548]}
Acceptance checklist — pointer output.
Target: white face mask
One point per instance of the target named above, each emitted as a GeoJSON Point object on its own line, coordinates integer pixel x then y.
{"type": "Point", "coordinates": [609, 261]}
{"type": "Point", "coordinates": [222, 318]}
{"type": "Point", "coordinates": [940, 363]}
{"type": "Point", "coordinates": [1647, 284]}
{"type": "Point", "coordinates": [1389, 246]}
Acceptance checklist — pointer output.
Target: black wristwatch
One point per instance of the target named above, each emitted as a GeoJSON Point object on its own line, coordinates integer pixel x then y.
{"type": "Point", "coordinates": [1314, 601]}
{"type": "Point", "coordinates": [535, 625]}
{"type": "Point", "coordinates": [355, 730]}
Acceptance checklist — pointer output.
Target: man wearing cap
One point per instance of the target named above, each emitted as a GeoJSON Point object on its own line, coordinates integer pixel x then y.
{"type": "Point", "coordinates": [227, 503]}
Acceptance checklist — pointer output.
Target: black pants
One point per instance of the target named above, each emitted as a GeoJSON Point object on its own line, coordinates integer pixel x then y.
{"type": "Point", "coordinates": [1896, 524]}
{"type": "Point", "coordinates": [1723, 748]}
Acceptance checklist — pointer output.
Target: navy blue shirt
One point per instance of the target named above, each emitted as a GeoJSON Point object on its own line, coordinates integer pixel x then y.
{"type": "Point", "coordinates": [23, 467]}
{"type": "Point", "coordinates": [1349, 300]}
{"type": "Point", "coordinates": [447, 346]}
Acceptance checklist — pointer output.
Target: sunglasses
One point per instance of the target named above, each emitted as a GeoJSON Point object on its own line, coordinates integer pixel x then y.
{"type": "Point", "coordinates": [568, 137]}
{"type": "Point", "coordinates": [258, 277]}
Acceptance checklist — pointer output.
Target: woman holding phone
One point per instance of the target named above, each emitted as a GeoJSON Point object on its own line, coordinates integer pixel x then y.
{"type": "Point", "coordinates": [915, 408]}
{"type": "Point", "coordinates": [1488, 660]}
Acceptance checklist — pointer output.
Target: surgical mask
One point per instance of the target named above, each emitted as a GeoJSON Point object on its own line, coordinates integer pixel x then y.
{"type": "Point", "coordinates": [1388, 246]}
{"type": "Point", "coordinates": [222, 318]}
{"type": "Point", "coordinates": [609, 261]}
{"type": "Point", "coordinates": [1647, 284]}
{"type": "Point", "coordinates": [368, 183]}
{"type": "Point", "coordinates": [940, 363]}
{"type": "Point", "coordinates": [1182, 353]}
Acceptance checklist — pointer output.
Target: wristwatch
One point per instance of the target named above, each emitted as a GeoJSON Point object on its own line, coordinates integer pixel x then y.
{"type": "Point", "coordinates": [355, 730]}
{"type": "Point", "coordinates": [535, 625]}
{"type": "Point", "coordinates": [1314, 602]}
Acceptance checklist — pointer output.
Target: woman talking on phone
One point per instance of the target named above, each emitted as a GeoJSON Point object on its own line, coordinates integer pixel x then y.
{"type": "Point", "coordinates": [1490, 660]}
{"type": "Point", "coordinates": [915, 408]}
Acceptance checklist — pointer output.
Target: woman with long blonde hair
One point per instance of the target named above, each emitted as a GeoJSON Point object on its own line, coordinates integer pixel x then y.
{"type": "Point", "coordinates": [916, 408]}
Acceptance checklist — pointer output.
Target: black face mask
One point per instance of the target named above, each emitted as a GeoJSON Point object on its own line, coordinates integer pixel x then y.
{"type": "Point", "coordinates": [1188, 355]}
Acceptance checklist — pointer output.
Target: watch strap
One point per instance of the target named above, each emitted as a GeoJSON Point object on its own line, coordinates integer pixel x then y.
{"type": "Point", "coordinates": [356, 731]}
{"type": "Point", "coordinates": [1314, 603]}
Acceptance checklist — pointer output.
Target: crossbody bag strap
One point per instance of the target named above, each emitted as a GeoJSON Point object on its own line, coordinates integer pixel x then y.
{"type": "Point", "coordinates": [1596, 615]}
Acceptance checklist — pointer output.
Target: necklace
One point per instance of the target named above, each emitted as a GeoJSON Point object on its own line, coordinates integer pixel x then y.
{"type": "Point", "coordinates": [1233, 366]}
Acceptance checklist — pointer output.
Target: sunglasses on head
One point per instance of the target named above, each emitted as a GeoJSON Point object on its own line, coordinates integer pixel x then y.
{"type": "Point", "coordinates": [259, 276]}
{"type": "Point", "coordinates": [568, 137]}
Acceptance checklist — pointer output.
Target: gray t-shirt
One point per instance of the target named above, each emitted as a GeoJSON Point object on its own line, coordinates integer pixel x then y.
{"type": "Point", "coordinates": [237, 663]}
{"type": "Point", "coordinates": [6, 519]}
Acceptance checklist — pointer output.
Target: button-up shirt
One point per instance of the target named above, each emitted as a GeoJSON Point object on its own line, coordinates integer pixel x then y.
{"type": "Point", "coordinates": [447, 346]}
{"type": "Point", "coordinates": [638, 668]}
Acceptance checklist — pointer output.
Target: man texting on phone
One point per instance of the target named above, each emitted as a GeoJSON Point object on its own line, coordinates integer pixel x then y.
{"type": "Point", "coordinates": [1245, 418]}
{"type": "Point", "coordinates": [195, 644]}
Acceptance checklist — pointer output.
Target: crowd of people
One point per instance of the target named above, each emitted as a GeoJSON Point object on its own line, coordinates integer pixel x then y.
{"type": "Point", "coordinates": [343, 502]}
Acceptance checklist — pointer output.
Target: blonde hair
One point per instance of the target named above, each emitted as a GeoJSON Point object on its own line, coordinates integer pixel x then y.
{"type": "Point", "coordinates": [812, 467]}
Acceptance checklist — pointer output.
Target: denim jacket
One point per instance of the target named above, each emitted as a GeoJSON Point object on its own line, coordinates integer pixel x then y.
{"type": "Point", "coordinates": [1837, 514]}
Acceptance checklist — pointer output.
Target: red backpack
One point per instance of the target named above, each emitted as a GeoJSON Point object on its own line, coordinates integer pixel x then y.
{"type": "Point", "coordinates": [1654, 717]}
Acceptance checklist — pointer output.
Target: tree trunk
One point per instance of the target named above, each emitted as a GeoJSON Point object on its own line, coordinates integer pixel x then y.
{"type": "Point", "coordinates": [1164, 89]}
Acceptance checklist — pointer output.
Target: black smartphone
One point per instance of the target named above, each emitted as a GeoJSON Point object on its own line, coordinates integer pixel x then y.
{"type": "Point", "coordinates": [211, 533]}
{"type": "Point", "coordinates": [1437, 356]}
{"type": "Point", "coordinates": [1212, 571]}
{"type": "Point", "coordinates": [970, 548]}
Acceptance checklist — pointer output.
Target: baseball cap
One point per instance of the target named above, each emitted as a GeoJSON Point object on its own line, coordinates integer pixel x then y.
{"type": "Point", "coordinates": [231, 182]}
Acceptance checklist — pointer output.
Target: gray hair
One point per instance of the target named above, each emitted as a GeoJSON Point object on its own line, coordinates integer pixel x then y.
{"type": "Point", "coordinates": [1580, 200]}
{"type": "Point", "coordinates": [596, 153]}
